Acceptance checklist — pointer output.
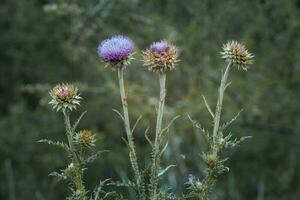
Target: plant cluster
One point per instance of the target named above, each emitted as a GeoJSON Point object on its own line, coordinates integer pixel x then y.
{"type": "Point", "coordinates": [161, 58]}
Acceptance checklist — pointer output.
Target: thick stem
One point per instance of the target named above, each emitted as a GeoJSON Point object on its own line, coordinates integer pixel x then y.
{"type": "Point", "coordinates": [131, 146]}
{"type": "Point", "coordinates": [156, 147]}
{"type": "Point", "coordinates": [78, 178]}
{"type": "Point", "coordinates": [70, 136]}
{"type": "Point", "coordinates": [160, 112]}
{"type": "Point", "coordinates": [219, 107]}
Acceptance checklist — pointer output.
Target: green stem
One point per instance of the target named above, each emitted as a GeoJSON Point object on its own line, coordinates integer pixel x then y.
{"type": "Point", "coordinates": [70, 136]}
{"type": "Point", "coordinates": [211, 177]}
{"type": "Point", "coordinates": [156, 147]}
{"type": "Point", "coordinates": [131, 146]}
{"type": "Point", "coordinates": [78, 178]}
{"type": "Point", "coordinates": [219, 107]}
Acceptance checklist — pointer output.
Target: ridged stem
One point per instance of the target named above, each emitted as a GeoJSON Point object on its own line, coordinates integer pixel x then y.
{"type": "Point", "coordinates": [211, 177]}
{"type": "Point", "coordinates": [218, 111]}
{"type": "Point", "coordinates": [78, 178]}
{"type": "Point", "coordinates": [156, 147]}
{"type": "Point", "coordinates": [131, 146]}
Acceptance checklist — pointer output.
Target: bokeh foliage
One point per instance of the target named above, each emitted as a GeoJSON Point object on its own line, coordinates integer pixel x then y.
{"type": "Point", "coordinates": [46, 42]}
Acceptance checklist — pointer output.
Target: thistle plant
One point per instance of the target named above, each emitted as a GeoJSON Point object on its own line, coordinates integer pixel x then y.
{"type": "Point", "coordinates": [161, 57]}
{"type": "Point", "coordinates": [236, 55]}
{"type": "Point", "coordinates": [79, 147]}
{"type": "Point", "coordinates": [117, 52]}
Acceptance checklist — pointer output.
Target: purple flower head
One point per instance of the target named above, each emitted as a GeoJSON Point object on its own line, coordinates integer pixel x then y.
{"type": "Point", "coordinates": [159, 47]}
{"type": "Point", "coordinates": [115, 48]}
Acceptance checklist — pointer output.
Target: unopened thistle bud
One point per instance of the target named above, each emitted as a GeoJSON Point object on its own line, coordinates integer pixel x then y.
{"type": "Point", "coordinates": [70, 171]}
{"type": "Point", "coordinates": [237, 54]}
{"type": "Point", "coordinates": [85, 138]}
{"type": "Point", "coordinates": [116, 51]}
{"type": "Point", "coordinates": [210, 159]}
{"type": "Point", "coordinates": [161, 57]}
{"type": "Point", "coordinates": [64, 97]}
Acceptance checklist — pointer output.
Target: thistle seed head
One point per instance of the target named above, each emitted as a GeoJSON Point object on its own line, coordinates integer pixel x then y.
{"type": "Point", "coordinates": [161, 57]}
{"type": "Point", "coordinates": [237, 54]}
{"type": "Point", "coordinates": [85, 138]}
{"type": "Point", "coordinates": [116, 51]}
{"type": "Point", "coordinates": [64, 97]}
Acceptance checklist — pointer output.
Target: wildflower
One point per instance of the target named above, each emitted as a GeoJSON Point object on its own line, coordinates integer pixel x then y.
{"type": "Point", "coordinates": [116, 51]}
{"type": "Point", "coordinates": [64, 97]}
{"type": "Point", "coordinates": [237, 55]}
{"type": "Point", "coordinates": [85, 138]}
{"type": "Point", "coordinates": [161, 57]}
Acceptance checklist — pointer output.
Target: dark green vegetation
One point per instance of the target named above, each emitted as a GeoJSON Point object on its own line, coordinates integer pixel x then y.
{"type": "Point", "coordinates": [39, 49]}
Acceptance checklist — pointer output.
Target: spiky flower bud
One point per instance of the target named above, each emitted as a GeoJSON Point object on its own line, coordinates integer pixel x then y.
{"type": "Point", "coordinates": [161, 57]}
{"type": "Point", "coordinates": [64, 97]}
{"type": "Point", "coordinates": [210, 159]}
{"type": "Point", "coordinates": [116, 51]}
{"type": "Point", "coordinates": [70, 171]}
{"type": "Point", "coordinates": [237, 54]}
{"type": "Point", "coordinates": [85, 138]}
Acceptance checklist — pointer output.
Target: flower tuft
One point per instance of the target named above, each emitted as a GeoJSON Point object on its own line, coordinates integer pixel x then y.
{"type": "Point", "coordinates": [161, 57]}
{"type": "Point", "coordinates": [64, 97]}
{"type": "Point", "coordinates": [85, 138]}
{"type": "Point", "coordinates": [116, 51]}
{"type": "Point", "coordinates": [237, 54]}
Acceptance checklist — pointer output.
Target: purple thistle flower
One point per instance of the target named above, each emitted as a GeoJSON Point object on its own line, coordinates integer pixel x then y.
{"type": "Point", "coordinates": [116, 48]}
{"type": "Point", "coordinates": [159, 47]}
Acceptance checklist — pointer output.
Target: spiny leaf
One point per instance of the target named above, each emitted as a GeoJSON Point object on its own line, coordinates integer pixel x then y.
{"type": "Point", "coordinates": [136, 123]}
{"type": "Point", "coordinates": [168, 126]}
{"type": "Point", "coordinates": [203, 130]}
{"type": "Point", "coordinates": [93, 157]}
{"type": "Point", "coordinates": [116, 111]}
{"type": "Point", "coordinates": [208, 108]}
{"type": "Point", "coordinates": [55, 143]}
{"type": "Point", "coordinates": [147, 137]}
{"type": "Point", "coordinates": [165, 170]}
{"type": "Point", "coordinates": [77, 121]}
{"type": "Point", "coordinates": [164, 148]}
{"type": "Point", "coordinates": [60, 176]}
{"type": "Point", "coordinates": [227, 124]}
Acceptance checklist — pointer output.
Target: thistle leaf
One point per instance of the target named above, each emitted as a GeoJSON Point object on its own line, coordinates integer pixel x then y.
{"type": "Point", "coordinates": [136, 123]}
{"type": "Point", "coordinates": [77, 121]}
{"type": "Point", "coordinates": [227, 124]}
{"type": "Point", "coordinates": [59, 176]}
{"type": "Point", "coordinates": [165, 170]}
{"type": "Point", "coordinates": [168, 126]}
{"type": "Point", "coordinates": [208, 108]}
{"type": "Point", "coordinates": [116, 111]}
{"type": "Point", "coordinates": [147, 137]}
{"type": "Point", "coordinates": [55, 143]}
{"type": "Point", "coordinates": [93, 157]}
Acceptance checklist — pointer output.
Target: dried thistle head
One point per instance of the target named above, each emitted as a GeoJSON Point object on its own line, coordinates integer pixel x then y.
{"type": "Point", "coordinates": [237, 54]}
{"type": "Point", "coordinates": [116, 51]}
{"type": "Point", "coordinates": [64, 97]}
{"type": "Point", "coordinates": [85, 138]}
{"type": "Point", "coordinates": [161, 57]}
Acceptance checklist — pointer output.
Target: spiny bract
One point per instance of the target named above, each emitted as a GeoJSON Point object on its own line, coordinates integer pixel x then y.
{"type": "Point", "coordinates": [237, 54]}
{"type": "Point", "coordinates": [161, 57]}
{"type": "Point", "coordinates": [64, 97]}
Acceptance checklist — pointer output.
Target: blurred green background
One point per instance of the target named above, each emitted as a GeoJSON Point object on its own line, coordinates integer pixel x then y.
{"type": "Point", "coordinates": [45, 42]}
